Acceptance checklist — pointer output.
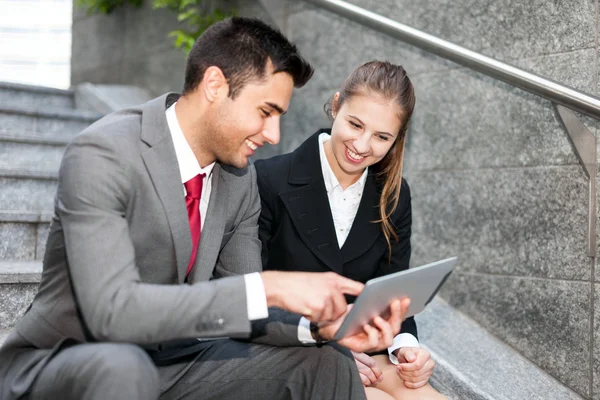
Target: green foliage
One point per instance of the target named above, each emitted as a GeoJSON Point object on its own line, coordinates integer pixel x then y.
{"type": "Point", "coordinates": [105, 6]}
{"type": "Point", "coordinates": [196, 15]}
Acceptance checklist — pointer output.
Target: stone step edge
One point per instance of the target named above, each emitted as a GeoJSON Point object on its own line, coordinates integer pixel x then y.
{"type": "Point", "coordinates": [20, 272]}
{"type": "Point", "coordinates": [465, 353]}
{"type": "Point", "coordinates": [32, 138]}
{"type": "Point", "coordinates": [4, 334]}
{"type": "Point", "coordinates": [50, 112]}
{"type": "Point", "coordinates": [28, 174]}
{"type": "Point", "coordinates": [36, 89]}
{"type": "Point", "coordinates": [25, 216]}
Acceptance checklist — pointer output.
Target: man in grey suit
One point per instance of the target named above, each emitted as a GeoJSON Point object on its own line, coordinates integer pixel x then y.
{"type": "Point", "coordinates": [154, 204]}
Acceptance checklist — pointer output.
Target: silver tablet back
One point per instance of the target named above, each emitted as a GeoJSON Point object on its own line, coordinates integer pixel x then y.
{"type": "Point", "coordinates": [420, 284]}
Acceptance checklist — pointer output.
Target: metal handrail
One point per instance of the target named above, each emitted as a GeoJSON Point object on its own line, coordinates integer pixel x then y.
{"type": "Point", "coordinates": [543, 87]}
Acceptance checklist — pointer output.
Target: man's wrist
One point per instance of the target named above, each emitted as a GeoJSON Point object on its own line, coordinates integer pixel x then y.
{"type": "Point", "coordinates": [316, 335]}
{"type": "Point", "coordinates": [269, 279]}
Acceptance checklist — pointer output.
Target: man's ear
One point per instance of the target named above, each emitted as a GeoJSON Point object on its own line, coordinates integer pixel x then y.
{"type": "Point", "coordinates": [214, 84]}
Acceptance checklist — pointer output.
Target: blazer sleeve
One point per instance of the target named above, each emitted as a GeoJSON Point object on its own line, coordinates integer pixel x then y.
{"type": "Point", "coordinates": [92, 200]}
{"type": "Point", "coordinates": [400, 254]}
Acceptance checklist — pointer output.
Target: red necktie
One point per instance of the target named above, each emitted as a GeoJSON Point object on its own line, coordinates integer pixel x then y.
{"type": "Point", "coordinates": [193, 188]}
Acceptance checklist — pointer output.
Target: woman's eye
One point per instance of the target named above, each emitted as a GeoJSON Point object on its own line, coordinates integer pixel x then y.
{"type": "Point", "coordinates": [384, 137]}
{"type": "Point", "coordinates": [354, 124]}
{"type": "Point", "coordinates": [265, 113]}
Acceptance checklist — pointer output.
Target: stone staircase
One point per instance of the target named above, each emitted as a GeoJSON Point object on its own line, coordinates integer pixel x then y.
{"type": "Point", "coordinates": [36, 124]}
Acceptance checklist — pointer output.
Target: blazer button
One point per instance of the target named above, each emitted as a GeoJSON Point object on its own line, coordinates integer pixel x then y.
{"type": "Point", "coordinates": [220, 321]}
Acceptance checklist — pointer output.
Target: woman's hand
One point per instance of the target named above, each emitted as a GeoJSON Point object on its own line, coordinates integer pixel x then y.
{"type": "Point", "coordinates": [375, 336]}
{"type": "Point", "coordinates": [416, 366]}
{"type": "Point", "coordinates": [368, 369]}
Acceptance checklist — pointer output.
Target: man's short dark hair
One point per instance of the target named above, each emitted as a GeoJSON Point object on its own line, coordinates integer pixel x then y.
{"type": "Point", "coordinates": [241, 47]}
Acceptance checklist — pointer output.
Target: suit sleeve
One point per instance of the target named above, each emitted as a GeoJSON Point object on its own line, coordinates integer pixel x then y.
{"type": "Point", "coordinates": [400, 255]}
{"type": "Point", "coordinates": [92, 198]}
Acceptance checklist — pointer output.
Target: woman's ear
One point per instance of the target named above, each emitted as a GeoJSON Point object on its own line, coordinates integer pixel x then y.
{"type": "Point", "coordinates": [334, 104]}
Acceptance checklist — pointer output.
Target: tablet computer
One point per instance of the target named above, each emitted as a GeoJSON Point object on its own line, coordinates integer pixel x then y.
{"type": "Point", "coordinates": [419, 284]}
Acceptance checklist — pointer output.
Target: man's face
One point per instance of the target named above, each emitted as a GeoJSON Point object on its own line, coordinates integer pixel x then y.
{"type": "Point", "coordinates": [239, 126]}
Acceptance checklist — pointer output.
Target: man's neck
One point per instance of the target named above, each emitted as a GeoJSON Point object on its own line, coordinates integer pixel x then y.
{"type": "Point", "coordinates": [189, 120]}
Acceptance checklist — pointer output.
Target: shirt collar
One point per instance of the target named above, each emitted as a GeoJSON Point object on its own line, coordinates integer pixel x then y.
{"type": "Point", "coordinates": [188, 163]}
{"type": "Point", "coordinates": [331, 181]}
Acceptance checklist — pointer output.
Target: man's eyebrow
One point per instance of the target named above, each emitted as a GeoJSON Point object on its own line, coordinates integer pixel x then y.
{"type": "Point", "coordinates": [280, 110]}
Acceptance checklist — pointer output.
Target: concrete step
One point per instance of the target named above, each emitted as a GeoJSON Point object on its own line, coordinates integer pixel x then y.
{"type": "Point", "coordinates": [30, 191]}
{"type": "Point", "coordinates": [35, 96]}
{"type": "Point", "coordinates": [19, 281]}
{"type": "Point", "coordinates": [23, 235]}
{"type": "Point", "coordinates": [3, 335]}
{"type": "Point", "coordinates": [473, 364]}
{"type": "Point", "coordinates": [30, 152]}
{"type": "Point", "coordinates": [53, 123]}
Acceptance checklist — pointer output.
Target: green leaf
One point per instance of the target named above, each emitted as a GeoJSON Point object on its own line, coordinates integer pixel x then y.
{"type": "Point", "coordinates": [186, 15]}
{"type": "Point", "coordinates": [197, 15]}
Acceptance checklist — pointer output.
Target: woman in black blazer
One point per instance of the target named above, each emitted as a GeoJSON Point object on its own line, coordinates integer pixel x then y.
{"type": "Point", "coordinates": [339, 203]}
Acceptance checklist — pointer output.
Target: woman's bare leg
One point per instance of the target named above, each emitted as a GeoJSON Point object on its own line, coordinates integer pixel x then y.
{"type": "Point", "coordinates": [376, 394]}
{"type": "Point", "coordinates": [394, 386]}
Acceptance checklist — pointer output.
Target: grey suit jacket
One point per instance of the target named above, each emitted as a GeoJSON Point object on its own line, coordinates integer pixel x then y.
{"type": "Point", "coordinates": [119, 246]}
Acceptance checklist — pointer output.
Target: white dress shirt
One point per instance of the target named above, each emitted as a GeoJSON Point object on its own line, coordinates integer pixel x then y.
{"type": "Point", "coordinates": [344, 206]}
{"type": "Point", "coordinates": [256, 298]}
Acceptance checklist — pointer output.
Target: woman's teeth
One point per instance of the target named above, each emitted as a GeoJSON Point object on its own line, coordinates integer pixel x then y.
{"type": "Point", "coordinates": [354, 156]}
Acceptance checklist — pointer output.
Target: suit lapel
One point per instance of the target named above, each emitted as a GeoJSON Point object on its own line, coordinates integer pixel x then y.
{"type": "Point", "coordinates": [212, 228]}
{"type": "Point", "coordinates": [161, 162]}
{"type": "Point", "coordinates": [308, 206]}
{"type": "Point", "coordinates": [364, 231]}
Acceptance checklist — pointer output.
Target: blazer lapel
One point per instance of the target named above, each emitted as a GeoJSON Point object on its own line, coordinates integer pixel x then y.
{"type": "Point", "coordinates": [364, 231]}
{"type": "Point", "coordinates": [161, 162]}
{"type": "Point", "coordinates": [308, 206]}
{"type": "Point", "coordinates": [212, 228]}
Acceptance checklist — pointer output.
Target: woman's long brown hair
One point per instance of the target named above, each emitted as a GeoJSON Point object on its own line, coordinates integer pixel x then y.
{"type": "Point", "coordinates": [390, 82]}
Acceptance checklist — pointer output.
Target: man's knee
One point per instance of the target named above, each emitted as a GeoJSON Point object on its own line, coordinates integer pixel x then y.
{"type": "Point", "coordinates": [330, 372]}
{"type": "Point", "coordinates": [124, 362]}
{"type": "Point", "coordinates": [331, 357]}
{"type": "Point", "coordinates": [95, 371]}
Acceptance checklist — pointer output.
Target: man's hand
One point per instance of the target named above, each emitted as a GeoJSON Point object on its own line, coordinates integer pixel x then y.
{"type": "Point", "coordinates": [316, 296]}
{"type": "Point", "coordinates": [376, 336]}
{"type": "Point", "coordinates": [368, 369]}
{"type": "Point", "coordinates": [416, 366]}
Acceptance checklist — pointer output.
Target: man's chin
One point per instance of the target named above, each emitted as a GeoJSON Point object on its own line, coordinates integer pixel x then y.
{"type": "Point", "coordinates": [240, 162]}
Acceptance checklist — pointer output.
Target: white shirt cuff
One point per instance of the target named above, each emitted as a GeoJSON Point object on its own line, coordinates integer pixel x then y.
{"type": "Point", "coordinates": [304, 335]}
{"type": "Point", "coordinates": [401, 340]}
{"type": "Point", "coordinates": [256, 298]}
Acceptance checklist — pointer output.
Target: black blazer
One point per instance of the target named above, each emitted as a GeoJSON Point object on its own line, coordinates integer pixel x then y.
{"type": "Point", "coordinates": [297, 231]}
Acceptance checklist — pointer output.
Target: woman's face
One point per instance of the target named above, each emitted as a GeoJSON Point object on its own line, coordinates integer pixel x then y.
{"type": "Point", "coordinates": [364, 130]}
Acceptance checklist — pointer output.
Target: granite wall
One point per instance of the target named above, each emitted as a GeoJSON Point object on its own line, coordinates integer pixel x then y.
{"type": "Point", "coordinates": [131, 46]}
{"type": "Point", "coordinates": [493, 176]}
